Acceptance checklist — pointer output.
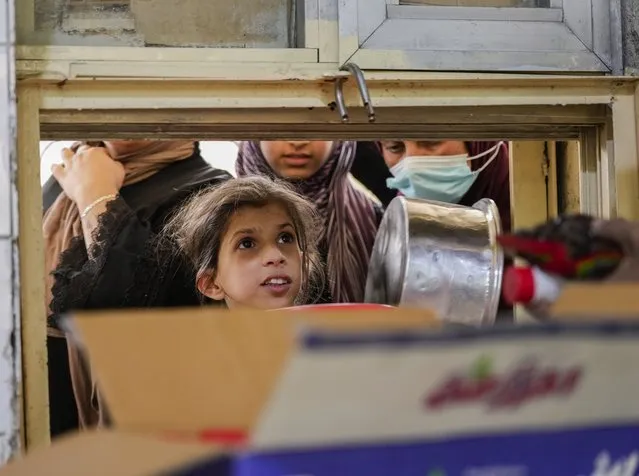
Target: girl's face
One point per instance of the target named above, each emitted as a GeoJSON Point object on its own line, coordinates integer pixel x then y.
{"type": "Point", "coordinates": [296, 159]}
{"type": "Point", "coordinates": [396, 151]}
{"type": "Point", "coordinates": [259, 263]}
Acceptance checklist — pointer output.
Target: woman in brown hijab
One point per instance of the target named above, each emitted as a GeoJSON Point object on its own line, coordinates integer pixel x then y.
{"type": "Point", "coordinates": [103, 208]}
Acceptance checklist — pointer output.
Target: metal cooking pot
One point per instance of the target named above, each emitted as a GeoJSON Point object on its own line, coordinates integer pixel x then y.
{"type": "Point", "coordinates": [438, 256]}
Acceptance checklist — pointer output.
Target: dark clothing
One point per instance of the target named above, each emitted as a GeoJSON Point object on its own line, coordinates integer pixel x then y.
{"type": "Point", "coordinates": [371, 171]}
{"type": "Point", "coordinates": [130, 269]}
{"type": "Point", "coordinates": [493, 182]}
{"type": "Point", "coordinates": [63, 411]}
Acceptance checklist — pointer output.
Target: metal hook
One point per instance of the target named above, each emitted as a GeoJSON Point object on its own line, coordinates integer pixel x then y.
{"type": "Point", "coordinates": [363, 89]}
{"type": "Point", "coordinates": [339, 99]}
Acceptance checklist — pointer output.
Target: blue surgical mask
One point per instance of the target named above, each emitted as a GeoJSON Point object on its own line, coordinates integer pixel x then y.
{"type": "Point", "coordinates": [441, 178]}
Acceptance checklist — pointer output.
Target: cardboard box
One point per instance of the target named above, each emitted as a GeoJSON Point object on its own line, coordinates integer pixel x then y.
{"type": "Point", "coordinates": [597, 301]}
{"type": "Point", "coordinates": [377, 394]}
{"type": "Point", "coordinates": [200, 369]}
{"type": "Point", "coordinates": [538, 400]}
{"type": "Point", "coordinates": [169, 375]}
{"type": "Point", "coordinates": [108, 453]}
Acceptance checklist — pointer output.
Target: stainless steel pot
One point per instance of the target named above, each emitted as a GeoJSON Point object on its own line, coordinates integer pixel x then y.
{"type": "Point", "coordinates": [439, 256]}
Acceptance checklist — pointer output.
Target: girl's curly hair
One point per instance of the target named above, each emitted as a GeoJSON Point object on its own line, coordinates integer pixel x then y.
{"type": "Point", "coordinates": [199, 226]}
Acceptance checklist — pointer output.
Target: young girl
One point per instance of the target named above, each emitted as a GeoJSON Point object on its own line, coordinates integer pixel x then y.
{"type": "Point", "coordinates": [319, 170]}
{"type": "Point", "coordinates": [253, 243]}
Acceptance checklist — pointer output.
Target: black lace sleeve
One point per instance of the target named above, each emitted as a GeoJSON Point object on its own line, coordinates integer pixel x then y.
{"type": "Point", "coordinates": [127, 268]}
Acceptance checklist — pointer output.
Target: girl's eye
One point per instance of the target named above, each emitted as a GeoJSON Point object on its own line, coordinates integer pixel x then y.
{"type": "Point", "coordinates": [246, 243]}
{"type": "Point", "coordinates": [286, 238]}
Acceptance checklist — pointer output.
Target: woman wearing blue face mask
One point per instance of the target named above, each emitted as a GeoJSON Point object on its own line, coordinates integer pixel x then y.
{"type": "Point", "coordinates": [451, 171]}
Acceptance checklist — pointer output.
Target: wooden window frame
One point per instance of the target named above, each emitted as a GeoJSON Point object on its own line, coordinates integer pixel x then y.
{"type": "Point", "coordinates": [409, 105]}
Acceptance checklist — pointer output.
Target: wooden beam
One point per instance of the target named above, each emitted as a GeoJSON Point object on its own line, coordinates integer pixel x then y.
{"type": "Point", "coordinates": [578, 115]}
{"type": "Point", "coordinates": [528, 190]}
{"type": "Point", "coordinates": [183, 55]}
{"type": "Point", "coordinates": [467, 123]}
{"type": "Point", "coordinates": [127, 94]}
{"type": "Point", "coordinates": [626, 155]}
{"type": "Point", "coordinates": [569, 174]}
{"type": "Point", "coordinates": [32, 277]}
{"type": "Point", "coordinates": [552, 191]}
{"type": "Point", "coordinates": [590, 173]}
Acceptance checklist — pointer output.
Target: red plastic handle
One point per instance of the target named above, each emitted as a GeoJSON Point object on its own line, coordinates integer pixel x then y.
{"type": "Point", "coordinates": [218, 436]}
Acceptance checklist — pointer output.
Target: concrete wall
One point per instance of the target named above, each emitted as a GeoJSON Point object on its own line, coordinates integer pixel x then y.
{"type": "Point", "coordinates": [630, 21]}
{"type": "Point", "coordinates": [9, 290]}
{"type": "Point", "coordinates": [183, 23]}
{"type": "Point", "coordinates": [480, 3]}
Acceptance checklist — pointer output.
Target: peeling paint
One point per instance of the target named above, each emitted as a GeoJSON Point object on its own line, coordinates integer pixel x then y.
{"type": "Point", "coordinates": [178, 23]}
{"type": "Point", "coordinates": [243, 23]}
{"type": "Point", "coordinates": [481, 3]}
{"type": "Point", "coordinates": [630, 19]}
{"type": "Point", "coordinates": [9, 354]}
{"type": "Point", "coordinates": [10, 351]}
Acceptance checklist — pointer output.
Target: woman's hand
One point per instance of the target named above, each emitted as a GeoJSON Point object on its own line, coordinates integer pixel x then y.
{"type": "Point", "coordinates": [88, 174]}
{"type": "Point", "coordinates": [626, 235]}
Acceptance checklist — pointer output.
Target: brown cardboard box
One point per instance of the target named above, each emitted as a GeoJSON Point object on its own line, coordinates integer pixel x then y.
{"type": "Point", "coordinates": [170, 374]}
{"type": "Point", "coordinates": [597, 301]}
{"type": "Point", "coordinates": [192, 370]}
{"type": "Point", "coordinates": [164, 372]}
{"type": "Point", "coordinates": [107, 453]}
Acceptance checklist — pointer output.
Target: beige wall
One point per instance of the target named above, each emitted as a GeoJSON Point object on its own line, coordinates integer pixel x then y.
{"type": "Point", "coordinates": [185, 23]}
{"type": "Point", "coordinates": [477, 3]}
{"type": "Point", "coordinates": [241, 23]}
